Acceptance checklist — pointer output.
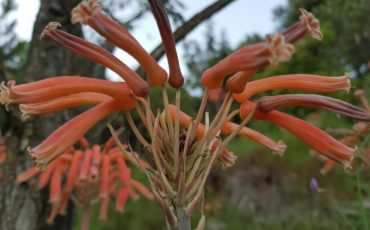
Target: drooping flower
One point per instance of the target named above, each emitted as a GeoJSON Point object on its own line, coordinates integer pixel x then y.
{"type": "Point", "coordinates": [97, 54]}
{"type": "Point", "coordinates": [269, 103]}
{"type": "Point", "coordinates": [305, 82]}
{"type": "Point", "coordinates": [175, 79]}
{"type": "Point", "coordinates": [354, 137]}
{"type": "Point", "coordinates": [308, 133]}
{"type": "Point", "coordinates": [90, 13]}
{"type": "Point", "coordinates": [248, 59]}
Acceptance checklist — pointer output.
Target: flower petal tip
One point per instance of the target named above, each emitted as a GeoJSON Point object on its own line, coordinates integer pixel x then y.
{"type": "Point", "coordinates": [279, 148]}
{"type": "Point", "coordinates": [5, 94]}
{"type": "Point", "coordinates": [280, 50]}
{"type": "Point", "coordinates": [41, 164]}
{"type": "Point", "coordinates": [312, 24]}
{"type": "Point", "coordinates": [82, 12]}
{"type": "Point", "coordinates": [348, 77]}
{"type": "Point", "coordinates": [49, 28]}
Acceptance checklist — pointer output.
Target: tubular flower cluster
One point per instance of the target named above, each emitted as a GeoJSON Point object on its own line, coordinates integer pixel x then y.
{"type": "Point", "coordinates": [248, 60]}
{"type": "Point", "coordinates": [180, 151]}
{"type": "Point", "coordinates": [85, 176]}
{"type": "Point", "coordinates": [90, 13]}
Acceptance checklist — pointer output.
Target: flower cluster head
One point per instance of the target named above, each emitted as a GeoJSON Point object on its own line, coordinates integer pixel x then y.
{"type": "Point", "coordinates": [180, 150]}
{"type": "Point", "coordinates": [85, 176]}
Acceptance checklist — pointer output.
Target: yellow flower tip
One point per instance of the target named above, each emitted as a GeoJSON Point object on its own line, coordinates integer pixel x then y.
{"type": "Point", "coordinates": [279, 148]}
{"type": "Point", "coordinates": [312, 24]}
{"type": "Point", "coordinates": [279, 49]}
{"type": "Point", "coordinates": [49, 28]}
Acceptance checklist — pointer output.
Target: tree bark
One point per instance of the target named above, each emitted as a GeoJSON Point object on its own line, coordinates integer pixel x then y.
{"type": "Point", "coordinates": [22, 206]}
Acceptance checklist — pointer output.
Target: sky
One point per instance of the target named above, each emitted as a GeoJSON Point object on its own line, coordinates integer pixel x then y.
{"type": "Point", "coordinates": [238, 19]}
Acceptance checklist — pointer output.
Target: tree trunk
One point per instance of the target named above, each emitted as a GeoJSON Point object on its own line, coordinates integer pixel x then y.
{"type": "Point", "coordinates": [22, 206]}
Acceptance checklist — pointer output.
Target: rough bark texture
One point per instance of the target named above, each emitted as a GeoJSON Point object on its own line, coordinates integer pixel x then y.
{"type": "Point", "coordinates": [22, 206]}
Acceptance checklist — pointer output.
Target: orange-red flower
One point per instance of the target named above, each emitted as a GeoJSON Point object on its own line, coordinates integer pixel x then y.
{"type": "Point", "coordinates": [175, 79]}
{"type": "Point", "coordinates": [80, 173]}
{"type": "Point", "coordinates": [305, 82]}
{"type": "Point", "coordinates": [66, 135]}
{"type": "Point", "coordinates": [249, 59]}
{"type": "Point", "coordinates": [269, 103]}
{"type": "Point", "coordinates": [97, 54]}
{"type": "Point", "coordinates": [90, 13]}
{"type": "Point", "coordinates": [308, 133]}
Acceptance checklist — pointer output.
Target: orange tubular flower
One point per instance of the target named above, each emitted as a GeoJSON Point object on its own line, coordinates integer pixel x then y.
{"type": "Point", "coordinates": [361, 95]}
{"type": "Point", "coordinates": [306, 82]}
{"type": "Point", "coordinates": [237, 82]}
{"type": "Point", "coordinates": [85, 165]}
{"type": "Point", "coordinates": [308, 25]}
{"type": "Point", "coordinates": [276, 147]}
{"type": "Point", "coordinates": [73, 171]}
{"type": "Point", "coordinates": [254, 57]}
{"type": "Point", "coordinates": [122, 198]}
{"type": "Point", "coordinates": [269, 103]}
{"type": "Point", "coordinates": [57, 87]}
{"type": "Point", "coordinates": [27, 175]}
{"type": "Point", "coordinates": [90, 13]}
{"type": "Point", "coordinates": [185, 121]}
{"type": "Point", "coordinates": [82, 173]}
{"type": "Point", "coordinates": [308, 133]}
{"type": "Point", "coordinates": [61, 103]}
{"type": "Point", "coordinates": [66, 135]}
{"type": "Point", "coordinates": [176, 79]}
{"type": "Point", "coordinates": [95, 162]}
{"type": "Point", "coordinates": [96, 54]}
{"type": "Point", "coordinates": [250, 59]}
{"type": "Point", "coordinates": [104, 182]}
